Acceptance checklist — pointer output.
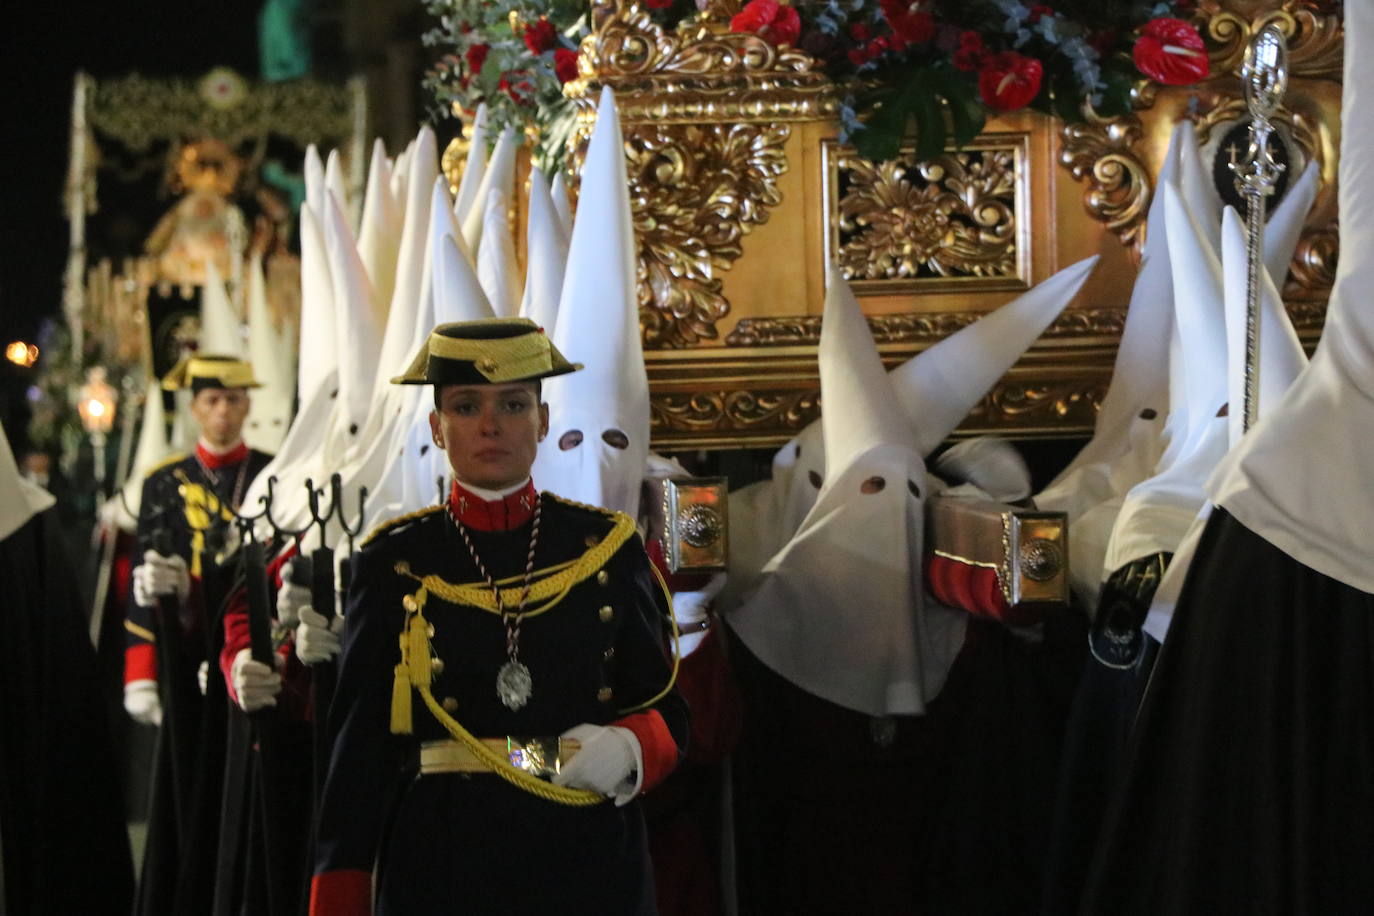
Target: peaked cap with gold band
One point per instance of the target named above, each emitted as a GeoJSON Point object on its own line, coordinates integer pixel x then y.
{"type": "Point", "coordinates": [485, 351]}
{"type": "Point", "coordinates": [208, 370]}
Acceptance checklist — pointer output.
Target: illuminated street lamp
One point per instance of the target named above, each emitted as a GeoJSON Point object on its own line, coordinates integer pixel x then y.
{"type": "Point", "coordinates": [96, 404]}
{"type": "Point", "coordinates": [21, 354]}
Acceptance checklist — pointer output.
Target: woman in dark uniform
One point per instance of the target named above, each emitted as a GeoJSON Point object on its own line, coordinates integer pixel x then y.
{"type": "Point", "coordinates": [506, 687]}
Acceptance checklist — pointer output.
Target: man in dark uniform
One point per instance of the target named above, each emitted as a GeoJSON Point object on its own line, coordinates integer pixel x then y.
{"type": "Point", "coordinates": [531, 644]}
{"type": "Point", "coordinates": [184, 519]}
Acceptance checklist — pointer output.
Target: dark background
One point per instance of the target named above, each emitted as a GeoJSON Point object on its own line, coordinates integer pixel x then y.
{"type": "Point", "coordinates": [44, 45]}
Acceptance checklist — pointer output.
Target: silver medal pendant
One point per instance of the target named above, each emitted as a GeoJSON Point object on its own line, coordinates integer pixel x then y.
{"type": "Point", "coordinates": [513, 685]}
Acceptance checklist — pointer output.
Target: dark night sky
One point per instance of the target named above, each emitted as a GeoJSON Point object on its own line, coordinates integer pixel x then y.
{"type": "Point", "coordinates": [41, 46]}
{"type": "Point", "coordinates": [44, 45]}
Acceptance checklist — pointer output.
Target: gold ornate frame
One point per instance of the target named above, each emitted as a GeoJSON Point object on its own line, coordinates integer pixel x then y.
{"type": "Point", "coordinates": [741, 193]}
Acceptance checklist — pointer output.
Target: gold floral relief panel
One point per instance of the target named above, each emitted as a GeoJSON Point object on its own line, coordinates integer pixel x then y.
{"type": "Point", "coordinates": [955, 222]}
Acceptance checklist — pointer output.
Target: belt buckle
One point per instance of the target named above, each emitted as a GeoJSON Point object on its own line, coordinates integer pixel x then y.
{"type": "Point", "coordinates": [537, 756]}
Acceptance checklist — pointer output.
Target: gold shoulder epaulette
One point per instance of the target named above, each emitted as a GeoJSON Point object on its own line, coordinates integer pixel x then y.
{"type": "Point", "coordinates": [611, 514]}
{"type": "Point", "coordinates": [387, 525]}
{"type": "Point", "coordinates": [166, 462]}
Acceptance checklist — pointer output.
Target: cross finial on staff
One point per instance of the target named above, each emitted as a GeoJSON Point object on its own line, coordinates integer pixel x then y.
{"type": "Point", "coordinates": [1264, 74]}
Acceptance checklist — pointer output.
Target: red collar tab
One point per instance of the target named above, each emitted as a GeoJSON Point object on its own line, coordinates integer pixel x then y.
{"type": "Point", "coordinates": [214, 462]}
{"type": "Point", "coordinates": [505, 514]}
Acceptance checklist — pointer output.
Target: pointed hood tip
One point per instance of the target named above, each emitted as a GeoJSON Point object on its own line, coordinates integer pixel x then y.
{"type": "Point", "coordinates": [939, 386]}
{"type": "Point", "coordinates": [861, 409]}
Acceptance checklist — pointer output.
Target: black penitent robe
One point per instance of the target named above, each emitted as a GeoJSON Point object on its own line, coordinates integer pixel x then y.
{"type": "Point", "coordinates": [840, 812]}
{"type": "Point", "coordinates": [61, 805]}
{"type": "Point", "coordinates": [1121, 657]}
{"type": "Point", "coordinates": [1248, 784]}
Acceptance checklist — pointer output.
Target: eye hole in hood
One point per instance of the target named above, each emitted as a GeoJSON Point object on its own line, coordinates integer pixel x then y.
{"type": "Point", "coordinates": [616, 439]}
{"type": "Point", "coordinates": [570, 440]}
{"type": "Point", "coordinates": [872, 485]}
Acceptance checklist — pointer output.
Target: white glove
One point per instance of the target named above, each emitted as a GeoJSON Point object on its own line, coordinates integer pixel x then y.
{"type": "Point", "coordinates": [255, 684]}
{"type": "Point", "coordinates": [290, 599]}
{"type": "Point", "coordinates": [692, 611]}
{"type": "Point", "coordinates": [991, 464]}
{"type": "Point", "coordinates": [609, 763]}
{"type": "Point", "coordinates": [317, 637]}
{"type": "Point", "coordinates": [157, 576]}
{"type": "Point", "coordinates": [203, 677]}
{"type": "Point", "coordinates": [141, 702]}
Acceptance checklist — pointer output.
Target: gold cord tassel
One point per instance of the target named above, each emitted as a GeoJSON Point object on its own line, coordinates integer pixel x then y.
{"type": "Point", "coordinates": [414, 670]}
{"type": "Point", "coordinates": [402, 720]}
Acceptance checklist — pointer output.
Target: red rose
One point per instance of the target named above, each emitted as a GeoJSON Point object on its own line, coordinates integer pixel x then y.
{"type": "Point", "coordinates": [1039, 11]}
{"type": "Point", "coordinates": [785, 28]}
{"type": "Point", "coordinates": [540, 36]}
{"type": "Point", "coordinates": [907, 21]}
{"type": "Point", "coordinates": [565, 64]}
{"type": "Point", "coordinates": [860, 32]}
{"type": "Point", "coordinates": [755, 16]}
{"type": "Point", "coordinates": [1009, 81]}
{"type": "Point", "coordinates": [769, 20]}
{"type": "Point", "coordinates": [1170, 51]}
{"type": "Point", "coordinates": [477, 55]}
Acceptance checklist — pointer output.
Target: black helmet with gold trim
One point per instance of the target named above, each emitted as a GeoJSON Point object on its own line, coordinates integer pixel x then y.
{"type": "Point", "coordinates": [485, 351]}
{"type": "Point", "coordinates": [198, 371]}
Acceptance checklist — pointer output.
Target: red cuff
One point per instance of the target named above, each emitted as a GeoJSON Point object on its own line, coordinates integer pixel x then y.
{"type": "Point", "coordinates": [656, 744]}
{"type": "Point", "coordinates": [140, 663]}
{"type": "Point", "coordinates": [345, 892]}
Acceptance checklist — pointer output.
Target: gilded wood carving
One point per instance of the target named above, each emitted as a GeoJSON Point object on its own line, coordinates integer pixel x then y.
{"type": "Point", "coordinates": [741, 193]}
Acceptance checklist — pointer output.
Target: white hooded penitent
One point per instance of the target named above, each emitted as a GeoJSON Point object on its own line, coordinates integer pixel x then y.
{"type": "Point", "coordinates": [1158, 511]}
{"type": "Point", "coordinates": [497, 267]}
{"type": "Point", "coordinates": [20, 500]}
{"type": "Point", "coordinates": [598, 438]}
{"type": "Point", "coordinates": [1281, 361]}
{"type": "Point", "coordinates": [379, 232]}
{"type": "Point", "coordinates": [271, 351]}
{"type": "Point", "coordinates": [840, 610]}
{"type": "Point", "coordinates": [498, 174]}
{"type": "Point", "coordinates": [936, 390]}
{"type": "Point", "coordinates": [546, 247]}
{"type": "Point", "coordinates": [474, 166]}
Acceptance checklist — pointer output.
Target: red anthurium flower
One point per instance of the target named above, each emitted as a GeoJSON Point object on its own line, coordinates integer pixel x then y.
{"type": "Point", "coordinates": [1009, 81]}
{"type": "Point", "coordinates": [540, 36]}
{"type": "Point", "coordinates": [1170, 51]}
{"type": "Point", "coordinates": [755, 16]}
{"type": "Point", "coordinates": [477, 55]}
{"type": "Point", "coordinates": [565, 64]}
{"type": "Point", "coordinates": [908, 22]}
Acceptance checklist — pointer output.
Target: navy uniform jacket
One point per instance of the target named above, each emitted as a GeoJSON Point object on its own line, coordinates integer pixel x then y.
{"type": "Point", "coordinates": [193, 504]}
{"type": "Point", "coordinates": [194, 507]}
{"type": "Point", "coordinates": [472, 843]}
